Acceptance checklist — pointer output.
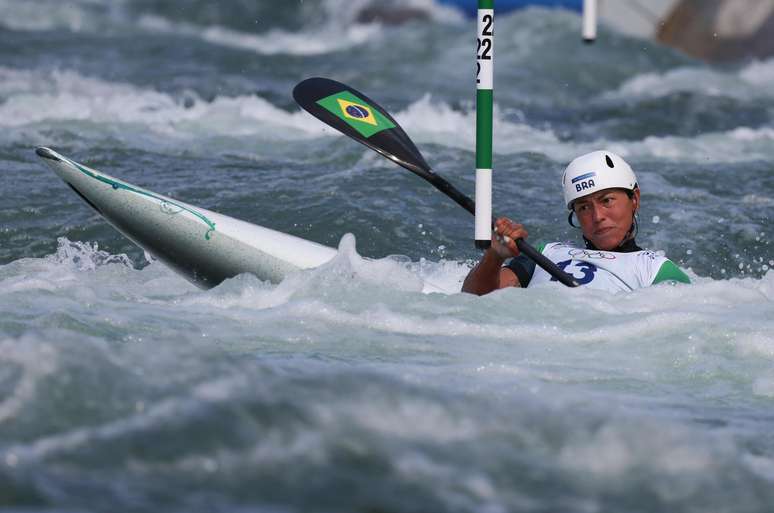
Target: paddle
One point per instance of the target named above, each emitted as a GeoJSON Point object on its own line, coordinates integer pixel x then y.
{"type": "Point", "coordinates": [359, 117]}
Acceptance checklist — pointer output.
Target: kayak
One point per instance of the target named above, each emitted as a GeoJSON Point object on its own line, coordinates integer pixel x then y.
{"type": "Point", "coordinates": [203, 246]}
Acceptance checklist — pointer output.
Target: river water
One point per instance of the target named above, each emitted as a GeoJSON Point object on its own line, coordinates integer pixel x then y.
{"type": "Point", "coordinates": [344, 388]}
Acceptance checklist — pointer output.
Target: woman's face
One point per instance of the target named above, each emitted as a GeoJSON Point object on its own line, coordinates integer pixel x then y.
{"type": "Point", "coordinates": [606, 216]}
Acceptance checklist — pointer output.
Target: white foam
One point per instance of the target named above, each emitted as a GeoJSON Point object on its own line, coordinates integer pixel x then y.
{"type": "Point", "coordinates": [431, 421]}
{"type": "Point", "coordinates": [338, 31]}
{"type": "Point", "coordinates": [37, 97]}
{"type": "Point", "coordinates": [759, 73]}
{"type": "Point", "coordinates": [308, 42]}
{"type": "Point", "coordinates": [764, 386]}
{"type": "Point", "coordinates": [345, 12]}
{"type": "Point", "coordinates": [758, 343]}
{"type": "Point", "coordinates": [747, 83]}
{"type": "Point", "coordinates": [672, 329]}
{"type": "Point", "coordinates": [33, 97]}
{"type": "Point", "coordinates": [44, 15]}
{"type": "Point", "coordinates": [388, 273]}
{"type": "Point", "coordinates": [218, 390]}
{"type": "Point", "coordinates": [76, 270]}
{"type": "Point", "coordinates": [34, 361]}
{"type": "Point", "coordinates": [427, 121]}
{"type": "Point", "coordinates": [436, 122]}
{"type": "Point", "coordinates": [741, 144]}
{"type": "Point", "coordinates": [86, 256]}
{"type": "Point", "coordinates": [619, 447]}
{"type": "Point", "coordinates": [338, 28]}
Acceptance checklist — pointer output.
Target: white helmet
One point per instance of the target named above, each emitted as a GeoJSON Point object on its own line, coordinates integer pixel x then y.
{"type": "Point", "coordinates": [595, 171]}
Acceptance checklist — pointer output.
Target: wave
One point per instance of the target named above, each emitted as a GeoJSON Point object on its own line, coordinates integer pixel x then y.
{"type": "Point", "coordinates": [748, 83]}
{"type": "Point", "coordinates": [47, 15]}
{"type": "Point", "coordinates": [437, 123]}
{"type": "Point", "coordinates": [315, 42]}
{"type": "Point", "coordinates": [328, 26]}
{"type": "Point", "coordinates": [392, 286]}
{"type": "Point", "coordinates": [341, 25]}
{"type": "Point", "coordinates": [34, 98]}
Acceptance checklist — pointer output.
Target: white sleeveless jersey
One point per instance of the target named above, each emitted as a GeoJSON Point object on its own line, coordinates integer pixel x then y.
{"type": "Point", "coordinates": [606, 270]}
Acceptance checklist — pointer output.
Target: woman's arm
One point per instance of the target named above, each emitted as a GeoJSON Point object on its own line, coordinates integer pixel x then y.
{"type": "Point", "coordinates": [489, 274]}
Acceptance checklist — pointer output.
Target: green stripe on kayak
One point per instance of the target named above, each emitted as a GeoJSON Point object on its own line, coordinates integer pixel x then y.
{"type": "Point", "coordinates": [118, 185]}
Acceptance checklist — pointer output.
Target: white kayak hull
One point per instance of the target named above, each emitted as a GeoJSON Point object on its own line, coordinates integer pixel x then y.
{"type": "Point", "coordinates": [203, 246]}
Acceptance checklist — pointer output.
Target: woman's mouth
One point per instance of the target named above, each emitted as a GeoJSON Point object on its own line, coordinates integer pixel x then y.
{"type": "Point", "coordinates": [603, 231]}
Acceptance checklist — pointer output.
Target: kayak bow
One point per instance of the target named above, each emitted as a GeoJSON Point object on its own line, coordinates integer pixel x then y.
{"type": "Point", "coordinates": [203, 246]}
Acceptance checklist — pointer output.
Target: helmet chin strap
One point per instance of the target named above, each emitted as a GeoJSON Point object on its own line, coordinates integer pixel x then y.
{"type": "Point", "coordinates": [570, 217]}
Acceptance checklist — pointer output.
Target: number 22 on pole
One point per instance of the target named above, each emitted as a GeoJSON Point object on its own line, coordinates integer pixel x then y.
{"type": "Point", "coordinates": [484, 99]}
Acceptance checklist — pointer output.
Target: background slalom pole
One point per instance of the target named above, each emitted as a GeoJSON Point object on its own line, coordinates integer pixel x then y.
{"type": "Point", "coordinates": [484, 99]}
{"type": "Point", "coordinates": [589, 21]}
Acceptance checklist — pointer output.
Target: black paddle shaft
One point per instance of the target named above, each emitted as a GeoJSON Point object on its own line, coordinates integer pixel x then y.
{"type": "Point", "coordinates": [362, 119]}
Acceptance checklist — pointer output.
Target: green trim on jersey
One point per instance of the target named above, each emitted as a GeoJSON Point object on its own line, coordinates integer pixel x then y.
{"type": "Point", "coordinates": [670, 272]}
{"type": "Point", "coordinates": [541, 247]}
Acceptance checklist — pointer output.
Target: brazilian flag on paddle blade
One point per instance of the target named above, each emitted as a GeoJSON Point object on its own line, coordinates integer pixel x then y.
{"type": "Point", "coordinates": [356, 112]}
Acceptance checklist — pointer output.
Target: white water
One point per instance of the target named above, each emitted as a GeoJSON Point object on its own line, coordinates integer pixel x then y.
{"type": "Point", "coordinates": [125, 388]}
{"type": "Point", "coordinates": [744, 84]}
{"type": "Point", "coordinates": [33, 98]}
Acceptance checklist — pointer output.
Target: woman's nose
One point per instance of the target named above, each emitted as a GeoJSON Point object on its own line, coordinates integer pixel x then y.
{"type": "Point", "coordinates": [597, 212]}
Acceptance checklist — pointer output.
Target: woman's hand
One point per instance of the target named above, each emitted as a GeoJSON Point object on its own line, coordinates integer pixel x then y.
{"type": "Point", "coordinates": [504, 237]}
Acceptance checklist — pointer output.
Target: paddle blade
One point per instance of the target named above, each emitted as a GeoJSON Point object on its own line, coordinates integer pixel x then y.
{"type": "Point", "coordinates": [356, 115]}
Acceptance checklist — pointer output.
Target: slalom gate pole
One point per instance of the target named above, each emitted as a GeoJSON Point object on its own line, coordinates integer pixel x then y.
{"type": "Point", "coordinates": [589, 21]}
{"type": "Point", "coordinates": [484, 100]}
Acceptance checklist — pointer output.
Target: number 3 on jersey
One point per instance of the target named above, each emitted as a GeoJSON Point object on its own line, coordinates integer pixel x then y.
{"type": "Point", "coordinates": [585, 268]}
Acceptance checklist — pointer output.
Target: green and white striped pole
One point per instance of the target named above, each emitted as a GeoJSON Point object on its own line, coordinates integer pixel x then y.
{"type": "Point", "coordinates": [484, 99]}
